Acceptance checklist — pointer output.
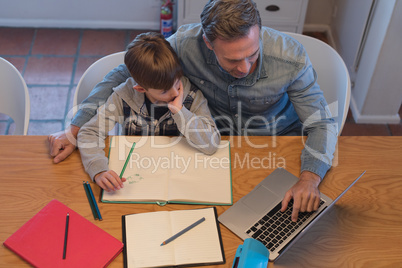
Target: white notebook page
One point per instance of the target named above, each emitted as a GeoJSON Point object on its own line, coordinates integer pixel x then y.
{"type": "Point", "coordinates": [146, 231]}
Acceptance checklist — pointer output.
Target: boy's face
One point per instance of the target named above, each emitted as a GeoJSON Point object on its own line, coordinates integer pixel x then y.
{"type": "Point", "coordinates": [161, 96]}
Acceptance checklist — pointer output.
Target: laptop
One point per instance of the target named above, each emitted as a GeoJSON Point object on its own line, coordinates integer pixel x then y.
{"type": "Point", "coordinates": [257, 214]}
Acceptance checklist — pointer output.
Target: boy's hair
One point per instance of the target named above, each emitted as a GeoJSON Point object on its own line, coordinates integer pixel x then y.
{"type": "Point", "coordinates": [229, 19]}
{"type": "Point", "coordinates": [152, 62]}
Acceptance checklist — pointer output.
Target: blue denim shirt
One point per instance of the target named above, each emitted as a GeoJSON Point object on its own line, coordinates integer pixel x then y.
{"type": "Point", "coordinates": [279, 96]}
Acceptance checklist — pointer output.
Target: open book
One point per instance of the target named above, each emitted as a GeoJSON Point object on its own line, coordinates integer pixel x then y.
{"type": "Point", "coordinates": [167, 169]}
{"type": "Point", "coordinates": [143, 234]}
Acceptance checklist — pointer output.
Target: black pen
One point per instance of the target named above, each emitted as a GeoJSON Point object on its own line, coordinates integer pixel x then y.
{"type": "Point", "coordinates": [66, 236]}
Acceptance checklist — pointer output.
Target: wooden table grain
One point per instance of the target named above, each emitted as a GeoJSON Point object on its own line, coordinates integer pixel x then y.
{"type": "Point", "coordinates": [363, 230]}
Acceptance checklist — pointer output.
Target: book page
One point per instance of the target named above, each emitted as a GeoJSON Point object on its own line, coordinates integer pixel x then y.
{"type": "Point", "coordinates": [144, 234]}
{"type": "Point", "coordinates": [146, 172]}
{"type": "Point", "coordinates": [200, 244]}
{"type": "Point", "coordinates": [201, 178]}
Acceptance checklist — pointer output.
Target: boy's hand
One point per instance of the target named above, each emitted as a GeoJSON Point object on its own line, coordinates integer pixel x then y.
{"type": "Point", "coordinates": [176, 104]}
{"type": "Point", "coordinates": [109, 181]}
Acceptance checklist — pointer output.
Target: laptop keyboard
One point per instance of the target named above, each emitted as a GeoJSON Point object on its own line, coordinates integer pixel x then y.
{"type": "Point", "coordinates": [276, 226]}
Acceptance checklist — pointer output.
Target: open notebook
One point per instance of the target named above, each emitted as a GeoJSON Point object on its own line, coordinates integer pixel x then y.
{"type": "Point", "coordinates": [164, 169]}
{"type": "Point", "coordinates": [143, 234]}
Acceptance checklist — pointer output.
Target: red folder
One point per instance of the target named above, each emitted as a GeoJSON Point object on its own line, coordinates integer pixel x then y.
{"type": "Point", "coordinates": [40, 241]}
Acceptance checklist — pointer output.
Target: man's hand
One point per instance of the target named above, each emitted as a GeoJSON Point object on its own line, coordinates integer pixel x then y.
{"type": "Point", "coordinates": [109, 181]}
{"type": "Point", "coordinates": [305, 195]}
{"type": "Point", "coordinates": [63, 143]}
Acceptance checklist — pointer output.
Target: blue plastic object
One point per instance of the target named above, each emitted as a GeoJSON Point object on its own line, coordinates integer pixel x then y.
{"type": "Point", "coordinates": [251, 254]}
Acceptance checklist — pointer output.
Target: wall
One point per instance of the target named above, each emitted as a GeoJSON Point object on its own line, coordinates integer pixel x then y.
{"type": "Point", "coordinates": [134, 14]}
{"type": "Point", "coordinates": [123, 14]}
{"type": "Point", "coordinates": [376, 96]}
{"type": "Point", "coordinates": [348, 29]}
{"type": "Point", "coordinates": [319, 12]}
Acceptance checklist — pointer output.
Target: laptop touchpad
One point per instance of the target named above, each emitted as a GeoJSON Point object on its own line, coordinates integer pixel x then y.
{"type": "Point", "coordinates": [260, 198]}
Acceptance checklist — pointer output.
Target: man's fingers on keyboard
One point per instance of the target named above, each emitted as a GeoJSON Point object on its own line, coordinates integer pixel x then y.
{"type": "Point", "coordinates": [310, 205]}
{"type": "Point", "coordinates": [296, 209]}
{"type": "Point", "coordinates": [295, 214]}
{"type": "Point", "coordinates": [305, 203]}
{"type": "Point", "coordinates": [285, 202]}
{"type": "Point", "coordinates": [284, 205]}
{"type": "Point", "coordinates": [316, 203]}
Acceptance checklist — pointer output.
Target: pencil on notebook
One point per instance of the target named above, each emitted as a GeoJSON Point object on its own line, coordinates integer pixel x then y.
{"type": "Point", "coordinates": [127, 160]}
{"type": "Point", "coordinates": [170, 239]}
{"type": "Point", "coordinates": [90, 200]}
{"type": "Point", "coordinates": [94, 202]}
{"type": "Point", "coordinates": [66, 236]}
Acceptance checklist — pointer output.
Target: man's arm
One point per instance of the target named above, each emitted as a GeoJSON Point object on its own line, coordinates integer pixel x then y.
{"type": "Point", "coordinates": [99, 95]}
{"type": "Point", "coordinates": [63, 143]}
{"type": "Point", "coordinates": [312, 109]}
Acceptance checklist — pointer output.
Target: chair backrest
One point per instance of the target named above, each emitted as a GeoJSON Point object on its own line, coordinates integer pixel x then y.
{"type": "Point", "coordinates": [333, 76]}
{"type": "Point", "coordinates": [94, 74]}
{"type": "Point", "coordinates": [14, 97]}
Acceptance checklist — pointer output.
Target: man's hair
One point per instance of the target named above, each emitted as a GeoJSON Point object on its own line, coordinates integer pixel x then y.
{"type": "Point", "coordinates": [152, 62]}
{"type": "Point", "coordinates": [229, 19]}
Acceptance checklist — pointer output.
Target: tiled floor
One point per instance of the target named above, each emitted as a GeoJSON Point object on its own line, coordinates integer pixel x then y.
{"type": "Point", "coordinates": [53, 60]}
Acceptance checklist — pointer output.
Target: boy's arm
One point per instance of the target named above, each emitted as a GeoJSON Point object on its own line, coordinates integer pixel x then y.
{"type": "Point", "coordinates": [91, 137]}
{"type": "Point", "coordinates": [197, 124]}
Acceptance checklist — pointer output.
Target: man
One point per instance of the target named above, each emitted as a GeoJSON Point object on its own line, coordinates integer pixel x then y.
{"type": "Point", "coordinates": [257, 81]}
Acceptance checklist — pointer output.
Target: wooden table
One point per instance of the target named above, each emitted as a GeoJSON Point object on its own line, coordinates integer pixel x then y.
{"type": "Point", "coordinates": [363, 230]}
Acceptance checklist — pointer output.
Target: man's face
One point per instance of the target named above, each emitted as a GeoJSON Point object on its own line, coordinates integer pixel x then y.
{"type": "Point", "coordinates": [238, 57]}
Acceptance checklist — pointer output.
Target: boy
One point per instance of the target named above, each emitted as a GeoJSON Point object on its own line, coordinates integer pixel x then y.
{"type": "Point", "coordinates": [156, 100]}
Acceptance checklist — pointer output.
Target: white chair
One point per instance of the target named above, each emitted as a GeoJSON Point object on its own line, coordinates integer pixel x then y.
{"type": "Point", "coordinates": [14, 97]}
{"type": "Point", "coordinates": [333, 76]}
{"type": "Point", "coordinates": [94, 74]}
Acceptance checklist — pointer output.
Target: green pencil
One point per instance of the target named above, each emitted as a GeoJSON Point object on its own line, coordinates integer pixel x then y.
{"type": "Point", "coordinates": [128, 159]}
